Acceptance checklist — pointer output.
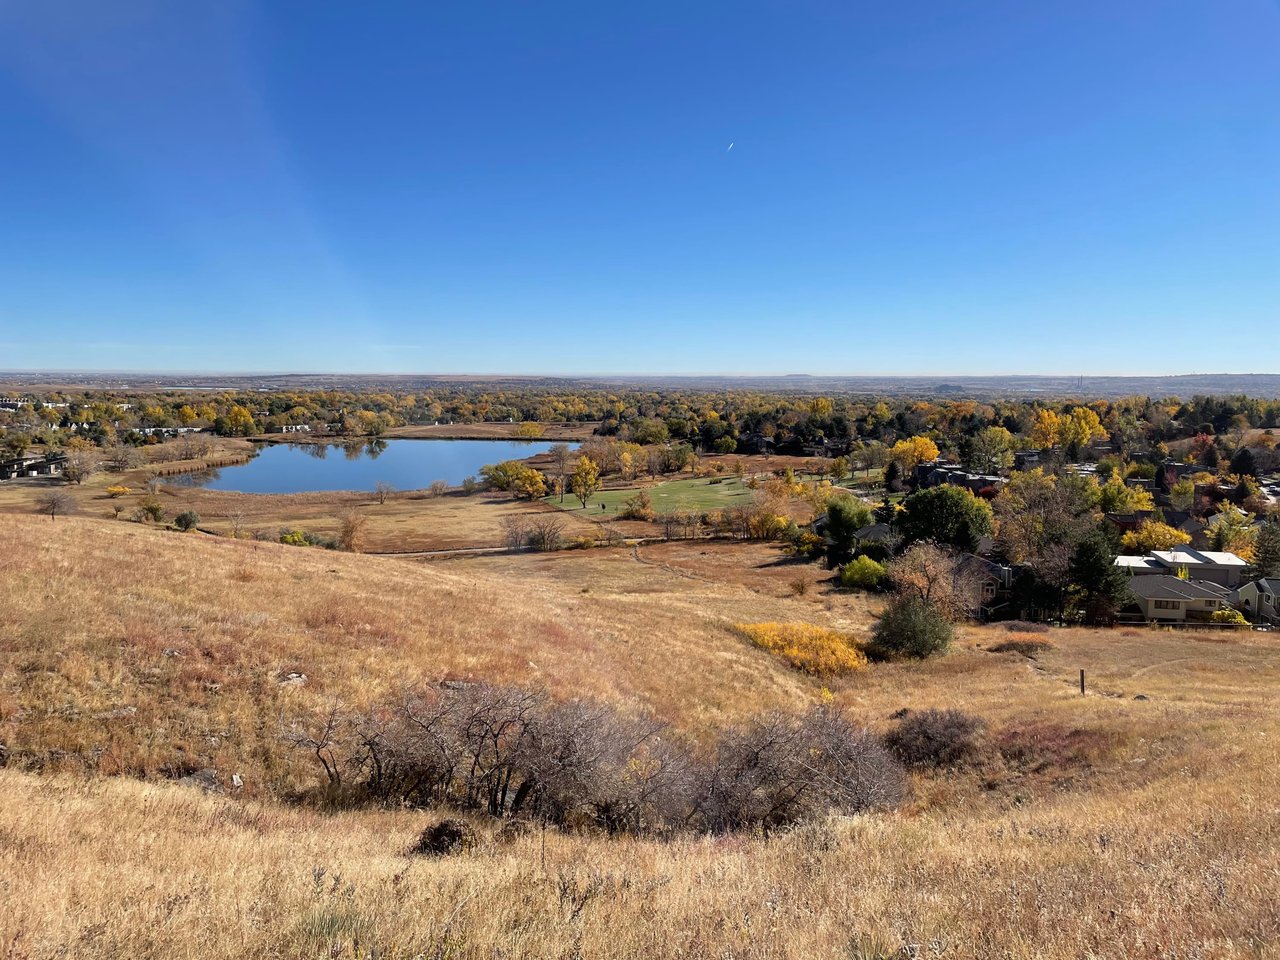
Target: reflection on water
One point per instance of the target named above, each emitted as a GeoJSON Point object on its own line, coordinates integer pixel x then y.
{"type": "Point", "coordinates": [404, 464]}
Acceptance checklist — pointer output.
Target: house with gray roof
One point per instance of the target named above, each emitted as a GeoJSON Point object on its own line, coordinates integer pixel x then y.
{"type": "Point", "coordinates": [1259, 601]}
{"type": "Point", "coordinates": [1170, 599]}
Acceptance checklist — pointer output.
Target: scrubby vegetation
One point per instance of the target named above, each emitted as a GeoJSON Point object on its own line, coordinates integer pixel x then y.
{"type": "Point", "coordinates": [1027, 644]}
{"type": "Point", "coordinates": [814, 650]}
{"type": "Point", "coordinates": [513, 752]}
{"type": "Point", "coordinates": [681, 784]}
{"type": "Point", "coordinates": [911, 627]}
{"type": "Point", "coordinates": [934, 738]}
{"type": "Point", "coordinates": [862, 573]}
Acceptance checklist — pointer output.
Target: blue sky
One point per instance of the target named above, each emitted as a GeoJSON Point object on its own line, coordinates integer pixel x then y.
{"type": "Point", "coordinates": [1063, 186]}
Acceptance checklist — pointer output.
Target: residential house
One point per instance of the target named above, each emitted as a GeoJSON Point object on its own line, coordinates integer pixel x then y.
{"type": "Point", "coordinates": [1259, 601]}
{"type": "Point", "coordinates": [939, 472]}
{"type": "Point", "coordinates": [1127, 522]}
{"type": "Point", "coordinates": [876, 533]}
{"type": "Point", "coordinates": [755, 443]}
{"type": "Point", "coordinates": [994, 582]}
{"type": "Point", "coordinates": [1223, 569]}
{"type": "Point", "coordinates": [1024, 460]}
{"type": "Point", "coordinates": [32, 465]}
{"type": "Point", "coordinates": [1189, 524]}
{"type": "Point", "coordinates": [1170, 599]}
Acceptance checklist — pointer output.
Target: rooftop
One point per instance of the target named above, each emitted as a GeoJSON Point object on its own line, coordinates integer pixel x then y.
{"type": "Point", "coordinates": [1175, 588]}
{"type": "Point", "coordinates": [1188, 556]}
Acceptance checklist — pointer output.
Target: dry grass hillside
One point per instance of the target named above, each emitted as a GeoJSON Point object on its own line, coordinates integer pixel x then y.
{"type": "Point", "coordinates": [1141, 820]}
{"type": "Point", "coordinates": [133, 650]}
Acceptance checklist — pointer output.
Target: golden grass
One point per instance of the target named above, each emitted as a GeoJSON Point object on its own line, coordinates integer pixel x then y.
{"type": "Point", "coordinates": [819, 651]}
{"type": "Point", "coordinates": [133, 650]}
{"type": "Point", "coordinates": [1095, 826]}
{"type": "Point", "coordinates": [115, 868]}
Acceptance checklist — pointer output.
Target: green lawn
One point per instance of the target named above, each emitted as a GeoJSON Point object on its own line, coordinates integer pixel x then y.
{"type": "Point", "coordinates": [694, 493]}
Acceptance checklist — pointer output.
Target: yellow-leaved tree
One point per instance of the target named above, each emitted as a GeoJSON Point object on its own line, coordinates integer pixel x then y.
{"type": "Point", "coordinates": [1154, 535]}
{"type": "Point", "coordinates": [913, 451]}
{"type": "Point", "coordinates": [1045, 429]}
{"type": "Point", "coordinates": [585, 480]}
{"type": "Point", "coordinates": [1115, 496]}
{"type": "Point", "coordinates": [1081, 427]}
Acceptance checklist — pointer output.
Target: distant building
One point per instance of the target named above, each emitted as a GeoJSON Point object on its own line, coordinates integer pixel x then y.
{"type": "Point", "coordinates": [1223, 569]}
{"type": "Point", "coordinates": [1170, 599]}
{"type": "Point", "coordinates": [1259, 601]}
{"type": "Point", "coordinates": [32, 466]}
{"type": "Point", "coordinates": [994, 580]}
{"type": "Point", "coordinates": [1026, 460]}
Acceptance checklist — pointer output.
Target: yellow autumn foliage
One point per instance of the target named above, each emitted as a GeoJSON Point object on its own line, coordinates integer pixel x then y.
{"type": "Point", "coordinates": [815, 650]}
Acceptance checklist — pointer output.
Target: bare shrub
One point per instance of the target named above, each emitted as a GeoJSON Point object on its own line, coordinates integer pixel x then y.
{"type": "Point", "coordinates": [780, 770]}
{"type": "Point", "coordinates": [515, 531]}
{"type": "Point", "coordinates": [934, 738]}
{"type": "Point", "coordinates": [444, 838]}
{"type": "Point", "coordinates": [1028, 646]}
{"type": "Point", "coordinates": [1024, 626]}
{"type": "Point", "coordinates": [438, 488]}
{"type": "Point", "coordinates": [351, 530]}
{"type": "Point", "coordinates": [1044, 746]}
{"type": "Point", "coordinates": [79, 466]}
{"type": "Point", "coordinates": [55, 503]}
{"type": "Point", "coordinates": [382, 490]}
{"type": "Point", "coordinates": [512, 752]}
{"type": "Point", "coordinates": [546, 533]}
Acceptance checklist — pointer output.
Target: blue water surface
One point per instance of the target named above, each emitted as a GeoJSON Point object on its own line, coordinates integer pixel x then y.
{"type": "Point", "coordinates": [405, 464]}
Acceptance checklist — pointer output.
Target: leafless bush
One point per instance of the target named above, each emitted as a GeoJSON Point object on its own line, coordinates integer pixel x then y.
{"type": "Point", "coordinates": [514, 753]}
{"type": "Point", "coordinates": [546, 533]}
{"type": "Point", "coordinates": [1028, 646]}
{"type": "Point", "coordinates": [123, 456]}
{"type": "Point", "coordinates": [934, 738]}
{"type": "Point", "coordinates": [781, 769]}
{"type": "Point", "coordinates": [382, 490]}
{"type": "Point", "coordinates": [1024, 626]}
{"type": "Point", "coordinates": [438, 488]}
{"type": "Point", "coordinates": [56, 503]}
{"type": "Point", "coordinates": [443, 838]}
{"type": "Point", "coordinates": [515, 531]}
{"type": "Point", "coordinates": [79, 466]}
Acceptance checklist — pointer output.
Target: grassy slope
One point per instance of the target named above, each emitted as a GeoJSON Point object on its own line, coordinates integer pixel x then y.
{"type": "Point", "coordinates": [1143, 828]}
{"type": "Point", "coordinates": [135, 650]}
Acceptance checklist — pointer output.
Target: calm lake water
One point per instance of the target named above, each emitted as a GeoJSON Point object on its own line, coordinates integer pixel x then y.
{"type": "Point", "coordinates": [405, 464]}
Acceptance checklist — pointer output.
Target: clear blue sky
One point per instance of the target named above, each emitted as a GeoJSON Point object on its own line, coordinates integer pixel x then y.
{"type": "Point", "coordinates": [1058, 186]}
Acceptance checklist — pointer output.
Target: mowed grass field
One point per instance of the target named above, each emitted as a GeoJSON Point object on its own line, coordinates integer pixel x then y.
{"type": "Point", "coordinates": [667, 496]}
{"type": "Point", "coordinates": [1140, 820]}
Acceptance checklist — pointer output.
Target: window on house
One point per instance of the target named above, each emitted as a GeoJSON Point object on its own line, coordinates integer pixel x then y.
{"type": "Point", "coordinates": [1167, 604]}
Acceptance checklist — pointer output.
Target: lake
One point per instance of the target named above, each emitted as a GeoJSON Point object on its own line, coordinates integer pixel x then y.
{"type": "Point", "coordinates": [405, 464]}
